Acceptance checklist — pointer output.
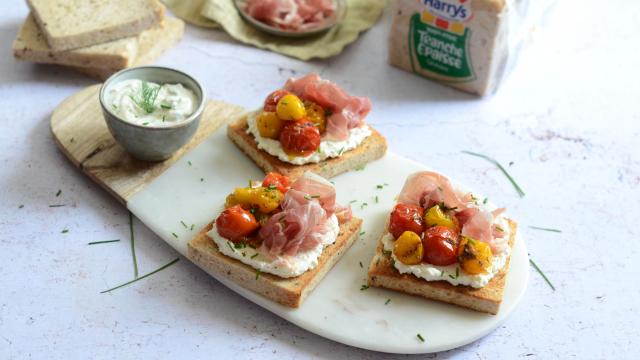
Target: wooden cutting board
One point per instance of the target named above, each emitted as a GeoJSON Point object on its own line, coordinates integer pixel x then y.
{"type": "Point", "coordinates": [81, 132]}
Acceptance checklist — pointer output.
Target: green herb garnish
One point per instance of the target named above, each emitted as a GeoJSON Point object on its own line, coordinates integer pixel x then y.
{"type": "Point", "coordinates": [376, 199]}
{"type": "Point", "coordinates": [387, 302]}
{"type": "Point", "coordinates": [183, 224]}
{"type": "Point", "coordinates": [201, 179]}
{"type": "Point", "coordinates": [360, 167]}
{"type": "Point", "coordinates": [379, 186]}
{"type": "Point", "coordinates": [102, 242]}
{"type": "Point", "coordinates": [545, 229]}
{"type": "Point", "coordinates": [143, 276]}
{"type": "Point", "coordinates": [58, 193]}
{"type": "Point", "coordinates": [361, 233]}
{"type": "Point", "coordinates": [363, 205]}
{"type": "Point", "coordinates": [257, 274]}
{"type": "Point", "coordinates": [353, 201]}
{"type": "Point", "coordinates": [166, 107]}
{"type": "Point", "coordinates": [146, 100]}
{"type": "Point", "coordinates": [192, 226]}
{"type": "Point", "coordinates": [361, 264]}
{"type": "Point", "coordinates": [133, 246]}
{"type": "Point", "coordinates": [64, 231]}
{"type": "Point", "coordinates": [189, 162]}
{"type": "Point", "coordinates": [535, 266]}
{"type": "Point", "coordinates": [145, 123]}
{"type": "Point", "coordinates": [254, 255]}
{"type": "Point", "coordinates": [496, 163]}
{"type": "Point", "coordinates": [364, 287]}
{"type": "Point", "coordinates": [174, 235]}
{"type": "Point", "coordinates": [457, 272]}
{"type": "Point", "coordinates": [231, 247]}
{"type": "Point", "coordinates": [21, 206]}
{"type": "Point", "coordinates": [485, 201]}
{"type": "Point", "coordinates": [56, 205]}
{"type": "Point", "coordinates": [420, 337]}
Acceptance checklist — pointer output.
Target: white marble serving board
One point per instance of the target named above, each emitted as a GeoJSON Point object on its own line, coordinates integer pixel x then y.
{"type": "Point", "coordinates": [194, 188]}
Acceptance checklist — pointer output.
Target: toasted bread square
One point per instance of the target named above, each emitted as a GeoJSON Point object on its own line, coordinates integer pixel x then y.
{"type": "Point", "coordinates": [486, 299]}
{"type": "Point", "coordinates": [289, 292]}
{"type": "Point", "coordinates": [72, 24]}
{"type": "Point", "coordinates": [372, 148]}
{"type": "Point", "coordinates": [150, 45]}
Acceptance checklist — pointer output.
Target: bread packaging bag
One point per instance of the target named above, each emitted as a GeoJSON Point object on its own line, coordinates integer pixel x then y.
{"type": "Point", "coordinates": [466, 44]}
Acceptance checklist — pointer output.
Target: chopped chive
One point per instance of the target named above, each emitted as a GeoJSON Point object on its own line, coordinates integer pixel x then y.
{"type": "Point", "coordinates": [64, 231]}
{"type": "Point", "coordinates": [360, 167]}
{"type": "Point", "coordinates": [192, 226]}
{"type": "Point", "coordinates": [143, 276]}
{"type": "Point", "coordinates": [174, 235]}
{"type": "Point", "coordinates": [133, 246]}
{"type": "Point", "coordinates": [545, 229]}
{"type": "Point", "coordinates": [244, 254]}
{"type": "Point", "coordinates": [21, 206]}
{"type": "Point", "coordinates": [257, 274]}
{"type": "Point", "coordinates": [167, 107]}
{"type": "Point", "coordinates": [420, 337]}
{"type": "Point", "coordinates": [543, 275]}
{"type": "Point", "coordinates": [361, 264]}
{"type": "Point", "coordinates": [201, 179]}
{"type": "Point", "coordinates": [364, 287]}
{"type": "Point", "coordinates": [457, 272]}
{"type": "Point", "coordinates": [441, 273]}
{"type": "Point", "coordinates": [58, 193]}
{"type": "Point", "coordinates": [385, 184]}
{"type": "Point", "coordinates": [254, 255]}
{"type": "Point", "coordinates": [341, 150]}
{"type": "Point", "coordinates": [362, 206]}
{"type": "Point", "coordinates": [56, 205]}
{"type": "Point", "coordinates": [145, 123]}
{"type": "Point", "coordinates": [231, 247]}
{"type": "Point", "coordinates": [189, 162]}
{"type": "Point", "coordinates": [379, 186]}
{"type": "Point", "coordinates": [387, 302]}
{"type": "Point", "coordinates": [485, 201]}
{"type": "Point", "coordinates": [376, 199]}
{"type": "Point", "coordinates": [496, 163]}
{"type": "Point", "coordinates": [353, 201]}
{"type": "Point", "coordinates": [499, 228]}
{"type": "Point", "coordinates": [361, 233]}
{"type": "Point", "coordinates": [102, 242]}
{"type": "Point", "coordinates": [183, 224]}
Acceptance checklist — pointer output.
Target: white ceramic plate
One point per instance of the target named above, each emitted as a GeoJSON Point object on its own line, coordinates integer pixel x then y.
{"type": "Point", "coordinates": [337, 309]}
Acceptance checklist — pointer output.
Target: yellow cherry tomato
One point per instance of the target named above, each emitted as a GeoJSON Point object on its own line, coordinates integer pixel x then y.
{"type": "Point", "coordinates": [290, 107]}
{"type": "Point", "coordinates": [436, 217]}
{"type": "Point", "coordinates": [269, 125]}
{"type": "Point", "coordinates": [315, 114]}
{"type": "Point", "coordinates": [263, 199]}
{"type": "Point", "coordinates": [474, 256]}
{"type": "Point", "coordinates": [408, 248]}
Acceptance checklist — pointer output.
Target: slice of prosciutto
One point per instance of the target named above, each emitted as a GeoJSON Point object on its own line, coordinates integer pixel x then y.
{"type": "Point", "coordinates": [292, 15]}
{"type": "Point", "coordinates": [347, 112]}
{"type": "Point", "coordinates": [299, 227]}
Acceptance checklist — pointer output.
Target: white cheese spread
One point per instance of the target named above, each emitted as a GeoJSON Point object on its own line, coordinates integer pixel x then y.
{"type": "Point", "coordinates": [327, 149]}
{"type": "Point", "coordinates": [151, 104]}
{"type": "Point", "coordinates": [449, 273]}
{"type": "Point", "coordinates": [283, 266]}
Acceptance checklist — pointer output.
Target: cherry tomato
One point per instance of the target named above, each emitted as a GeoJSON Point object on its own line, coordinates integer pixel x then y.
{"type": "Point", "coordinates": [406, 218]}
{"type": "Point", "coordinates": [236, 223]}
{"type": "Point", "coordinates": [271, 102]}
{"type": "Point", "coordinates": [440, 246]}
{"type": "Point", "coordinates": [300, 138]}
{"type": "Point", "coordinates": [280, 182]}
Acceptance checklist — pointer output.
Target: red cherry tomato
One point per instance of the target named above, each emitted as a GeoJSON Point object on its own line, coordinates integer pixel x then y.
{"type": "Point", "coordinates": [300, 138]}
{"type": "Point", "coordinates": [280, 182]}
{"type": "Point", "coordinates": [440, 245]}
{"type": "Point", "coordinates": [236, 223]}
{"type": "Point", "coordinates": [406, 218]}
{"type": "Point", "coordinates": [271, 101]}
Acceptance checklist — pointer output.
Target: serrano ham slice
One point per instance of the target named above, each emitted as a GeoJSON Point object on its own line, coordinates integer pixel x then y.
{"type": "Point", "coordinates": [292, 15]}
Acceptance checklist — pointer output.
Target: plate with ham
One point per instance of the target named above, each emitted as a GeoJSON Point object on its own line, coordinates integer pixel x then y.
{"type": "Point", "coordinates": [342, 307]}
{"type": "Point", "coordinates": [292, 18]}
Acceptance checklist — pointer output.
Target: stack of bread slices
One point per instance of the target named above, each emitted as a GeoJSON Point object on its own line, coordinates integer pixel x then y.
{"type": "Point", "coordinates": [98, 37]}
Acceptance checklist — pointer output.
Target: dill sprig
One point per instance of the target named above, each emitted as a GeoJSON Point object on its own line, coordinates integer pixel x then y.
{"type": "Point", "coordinates": [504, 171]}
{"type": "Point", "coordinates": [133, 246]}
{"type": "Point", "coordinates": [545, 229]}
{"type": "Point", "coordinates": [146, 100]}
{"type": "Point", "coordinates": [102, 242]}
{"type": "Point", "coordinates": [535, 266]}
{"type": "Point", "coordinates": [143, 276]}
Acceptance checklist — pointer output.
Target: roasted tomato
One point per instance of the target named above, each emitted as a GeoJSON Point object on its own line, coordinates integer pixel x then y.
{"type": "Point", "coordinates": [269, 125]}
{"type": "Point", "coordinates": [440, 246]}
{"type": "Point", "coordinates": [474, 256]}
{"type": "Point", "coordinates": [300, 138]}
{"type": "Point", "coordinates": [271, 101]}
{"type": "Point", "coordinates": [276, 180]}
{"type": "Point", "coordinates": [436, 216]}
{"type": "Point", "coordinates": [315, 114]}
{"type": "Point", "coordinates": [406, 218]}
{"type": "Point", "coordinates": [236, 223]}
{"type": "Point", "coordinates": [408, 248]}
{"type": "Point", "coordinates": [263, 199]}
{"type": "Point", "coordinates": [290, 107]}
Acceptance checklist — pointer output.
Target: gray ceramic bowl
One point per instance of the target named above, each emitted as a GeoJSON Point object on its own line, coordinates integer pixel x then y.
{"type": "Point", "coordinates": [147, 142]}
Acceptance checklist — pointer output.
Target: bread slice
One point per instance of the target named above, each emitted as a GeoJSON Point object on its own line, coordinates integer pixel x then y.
{"type": "Point", "coordinates": [486, 299]}
{"type": "Point", "coordinates": [72, 24]}
{"type": "Point", "coordinates": [289, 292]}
{"type": "Point", "coordinates": [150, 45]}
{"type": "Point", "coordinates": [372, 148]}
{"type": "Point", "coordinates": [31, 45]}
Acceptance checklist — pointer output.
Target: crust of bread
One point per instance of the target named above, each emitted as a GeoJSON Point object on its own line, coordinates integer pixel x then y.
{"type": "Point", "coordinates": [151, 44]}
{"type": "Point", "coordinates": [372, 148]}
{"type": "Point", "coordinates": [487, 299]}
{"type": "Point", "coordinates": [289, 292]}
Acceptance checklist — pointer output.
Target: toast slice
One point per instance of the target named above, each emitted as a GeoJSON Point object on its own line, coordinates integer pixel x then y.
{"type": "Point", "coordinates": [72, 24]}
{"type": "Point", "coordinates": [372, 148]}
{"type": "Point", "coordinates": [31, 45]}
{"type": "Point", "coordinates": [150, 45]}
{"type": "Point", "coordinates": [487, 299]}
{"type": "Point", "coordinates": [289, 292]}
